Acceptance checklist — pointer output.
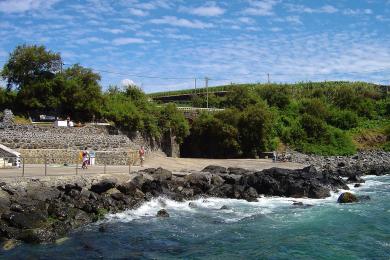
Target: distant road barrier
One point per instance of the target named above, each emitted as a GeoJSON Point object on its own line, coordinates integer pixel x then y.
{"type": "Point", "coordinates": [199, 109]}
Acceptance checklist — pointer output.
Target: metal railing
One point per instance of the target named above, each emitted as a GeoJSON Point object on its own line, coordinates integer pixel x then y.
{"type": "Point", "coordinates": [38, 166]}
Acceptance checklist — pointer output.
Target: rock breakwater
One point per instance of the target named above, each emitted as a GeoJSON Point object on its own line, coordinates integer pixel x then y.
{"type": "Point", "coordinates": [38, 211]}
{"type": "Point", "coordinates": [362, 163]}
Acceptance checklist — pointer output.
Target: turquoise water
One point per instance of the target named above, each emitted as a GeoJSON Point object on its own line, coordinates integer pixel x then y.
{"type": "Point", "coordinates": [269, 229]}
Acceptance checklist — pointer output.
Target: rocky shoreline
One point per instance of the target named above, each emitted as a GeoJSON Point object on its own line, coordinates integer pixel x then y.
{"type": "Point", "coordinates": [362, 163]}
{"type": "Point", "coordinates": [38, 211]}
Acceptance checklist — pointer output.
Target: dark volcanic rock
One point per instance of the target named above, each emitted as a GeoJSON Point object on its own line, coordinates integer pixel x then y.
{"type": "Point", "coordinates": [357, 185]}
{"type": "Point", "coordinates": [103, 185]}
{"type": "Point", "coordinates": [127, 188]}
{"type": "Point", "coordinates": [347, 197]}
{"type": "Point", "coordinates": [363, 197]}
{"type": "Point", "coordinates": [162, 213]}
{"type": "Point", "coordinates": [215, 169]}
{"type": "Point", "coordinates": [55, 211]}
{"type": "Point", "coordinates": [355, 179]}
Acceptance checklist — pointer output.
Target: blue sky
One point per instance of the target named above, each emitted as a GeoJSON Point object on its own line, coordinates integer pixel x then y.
{"type": "Point", "coordinates": [172, 42]}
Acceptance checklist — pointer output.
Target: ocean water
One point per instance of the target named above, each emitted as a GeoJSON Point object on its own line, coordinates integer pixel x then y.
{"type": "Point", "coordinates": [271, 228]}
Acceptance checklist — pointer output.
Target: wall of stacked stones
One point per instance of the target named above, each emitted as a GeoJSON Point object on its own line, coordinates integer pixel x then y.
{"type": "Point", "coordinates": [63, 144]}
{"type": "Point", "coordinates": [36, 137]}
{"type": "Point", "coordinates": [73, 157]}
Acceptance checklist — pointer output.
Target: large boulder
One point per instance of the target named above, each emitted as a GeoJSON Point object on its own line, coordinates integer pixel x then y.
{"type": "Point", "coordinates": [199, 181]}
{"type": "Point", "coordinates": [347, 197]}
{"type": "Point", "coordinates": [104, 185]}
{"type": "Point", "coordinates": [24, 220]}
{"type": "Point", "coordinates": [215, 169]}
{"type": "Point", "coordinates": [159, 174]}
{"type": "Point", "coordinates": [127, 188]}
{"type": "Point", "coordinates": [162, 213]}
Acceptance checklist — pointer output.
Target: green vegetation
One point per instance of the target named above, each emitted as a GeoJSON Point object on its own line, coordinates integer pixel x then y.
{"type": "Point", "coordinates": [328, 118]}
{"type": "Point", "coordinates": [36, 83]}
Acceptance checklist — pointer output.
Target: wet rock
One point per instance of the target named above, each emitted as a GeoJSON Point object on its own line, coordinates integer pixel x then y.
{"type": "Point", "coordinates": [162, 213]}
{"type": "Point", "coordinates": [224, 207]}
{"type": "Point", "coordinates": [299, 204]}
{"type": "Point", "coordinates": [355, 179]}
{"type": "Point", "coordinates": [192, 205]}
{"type": "Point", "coordinates": [363, 197]}
{"type": "Point", "coordinates": [250, 194]}
{"type": "Point", "coordinates": [347, 197]}
{"type": "Point", "coordinates": [9, 244]}
{"type": "Point", "coordinates": [199, 182]}
{"type": "Point", "coordinates": [357, 185]}
{"type": "Point", "coordinates": [24, 220]}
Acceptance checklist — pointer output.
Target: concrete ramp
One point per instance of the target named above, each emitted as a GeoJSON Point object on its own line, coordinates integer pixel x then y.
{"type": "Point", "coordinates": [8, 152]}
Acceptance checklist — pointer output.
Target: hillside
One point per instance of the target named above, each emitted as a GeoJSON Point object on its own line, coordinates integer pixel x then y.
{"type": "Point", "coordinates": [330, 118]}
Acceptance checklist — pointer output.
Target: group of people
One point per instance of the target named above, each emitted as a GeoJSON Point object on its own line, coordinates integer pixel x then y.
{"type": "Point", "coordinates": [86, 157]}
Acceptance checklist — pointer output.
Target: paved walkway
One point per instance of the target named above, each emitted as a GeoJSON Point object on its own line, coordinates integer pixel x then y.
{"type": "Point", "coordinates": [172, 164]}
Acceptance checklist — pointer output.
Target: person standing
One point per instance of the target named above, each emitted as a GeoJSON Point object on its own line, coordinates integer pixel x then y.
{"type": "Point", "coordinates": [141, 153]}
{"type": "Point", "coordinates": [85, 156]}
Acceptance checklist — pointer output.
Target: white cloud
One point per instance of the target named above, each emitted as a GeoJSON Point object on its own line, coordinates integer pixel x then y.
{"type": "Point", "coordinates": [293, 19]}
{"type": "Point", "coordinates": [382, 18]}
{"type": "Point", "coordinates": [154, 5]}
{"type": "Point", "coordinates": [112, 30]}
{"type": "Point", "coordinates": [178, 36]}
{"type": "Point", "coordinates": [210, 9]}
{"type": "Point", "coordinates": [125, 41]}
{"type": "Point", "coordinates": [138, 12]}
{"type": "Point", "coordinates": [92, 39]}
{"type": "Point", "coordinates": [328, 9]}
{"type": "Point", "coordinates": [21, 6]}
{"type": "Point", "coordinates": [357, 11]}
{"type": "Point", "coordinates": [260, 7]}
{"type": "Point", "coordinates": [180, 22]}
{"type": "Point", "coordinates": [246, 20]}
{"type": "Point", "coordinates": [127, 82]}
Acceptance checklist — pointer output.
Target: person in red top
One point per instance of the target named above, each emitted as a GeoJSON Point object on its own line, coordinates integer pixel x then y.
{"type": "Point", "coordinates": [141, 153]}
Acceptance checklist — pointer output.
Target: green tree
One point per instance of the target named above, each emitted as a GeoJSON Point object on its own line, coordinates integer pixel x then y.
{"type": "Point", "coordinates": [211, 138]}
{"type": "Point", "coordinates": [30, 63]}
{"type": "Point", "coordinates": [255, 129]}
{"type": "Point", "coordinates": [240, 98]}
{"type": "Point", "coordinates": [172, 121]}
{"type": "Point", "coordinates": [79, 92]}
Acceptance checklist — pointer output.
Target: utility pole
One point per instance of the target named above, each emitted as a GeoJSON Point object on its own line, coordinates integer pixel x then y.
{"type": "Point", "coordinates": [206, 81]}
{"type": "Point", "coordinates": [268, 78]}
{"type": "Point", "coordinates": [195, 84]}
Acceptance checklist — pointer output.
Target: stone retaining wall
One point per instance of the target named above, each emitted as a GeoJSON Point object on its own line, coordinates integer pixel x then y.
{"type": "Point", "coordinates": [37, 141]}
{"type": "Point", "coordinates": [62, 156]}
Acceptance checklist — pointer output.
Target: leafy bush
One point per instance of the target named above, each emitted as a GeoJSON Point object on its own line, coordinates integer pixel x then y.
{"type": "Point", "coordinates": [343, 119]}
{"type": "Point", "coordinates": [255, 130]}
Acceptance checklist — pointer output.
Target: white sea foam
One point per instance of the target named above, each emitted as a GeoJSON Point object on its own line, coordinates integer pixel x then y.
{"type": "Point", "coordinates": [237, 209]}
